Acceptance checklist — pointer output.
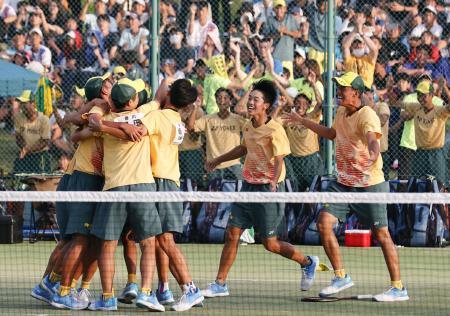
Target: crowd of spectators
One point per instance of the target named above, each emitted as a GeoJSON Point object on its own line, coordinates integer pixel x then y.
{"type": "Point", "coordinates": [390, 44]}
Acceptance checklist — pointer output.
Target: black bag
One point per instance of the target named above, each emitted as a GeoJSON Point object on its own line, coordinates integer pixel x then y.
{"type": "Point", "coordinates": [10, 230]}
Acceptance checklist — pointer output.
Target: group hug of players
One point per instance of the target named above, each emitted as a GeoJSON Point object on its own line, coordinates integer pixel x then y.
{"type": "Point", "coordinates": [128, 143]}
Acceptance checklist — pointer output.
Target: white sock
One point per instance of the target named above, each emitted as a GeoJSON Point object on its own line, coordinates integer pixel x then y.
{"type": "Point", "coordinates": [189, 287]}
{"type": "Point", "coordinates": [163, 286]}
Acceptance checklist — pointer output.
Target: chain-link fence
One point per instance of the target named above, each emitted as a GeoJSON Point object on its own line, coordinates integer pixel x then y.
{"type": "Point", "coordinates": [393, 46]}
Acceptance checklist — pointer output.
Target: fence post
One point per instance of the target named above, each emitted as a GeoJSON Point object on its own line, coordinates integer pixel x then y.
{"type": "Point", "coordinates": [154, 58]}
{"type": "Point", "coordinates": [329, 89]}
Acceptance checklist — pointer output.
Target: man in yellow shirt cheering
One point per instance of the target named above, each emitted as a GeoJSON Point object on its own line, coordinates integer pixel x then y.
{"type": "Point", "coordinates": [265, 145]}
{"type": "Point", "coordinates": [357, 131]}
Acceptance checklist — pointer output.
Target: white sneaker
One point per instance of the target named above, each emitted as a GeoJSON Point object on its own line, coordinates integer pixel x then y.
{"type": "Point", "coordinates": [392, 295]}
{"type": "Point", "coordinates": [188, 300]}
{"type": "Point", "coordinates": [84, 296]}
{"type": "Point", "coordinates": [337, 285]}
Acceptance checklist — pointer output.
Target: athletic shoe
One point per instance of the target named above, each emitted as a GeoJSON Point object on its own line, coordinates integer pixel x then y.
{"type": "Point", "coordinates": [129, 293]}
{"type": "Point", "coordinates": [150, 302]}
{"type": "Point", "coordinates": [52, 287]}
{"type": "Point", "coordinates": [70, 301]}
{"type": "Point", "coordinates": [309, 273]}
{"type": "Point", "coordinates": [84, 296]}
{"type": "Point", "coordinates": [165, 297]}
{"type": "Point", "coordinates": [215, 290]}
{"type": "Point", "coordinates": [392, 295]}
{"type": "Point", "coordinates": [42, 294]}
{"type": "Point", "coordinates": [337, 284]}
{"type": "Point", "coordinates": [188, 300]}
{"type": "Point", "coordinates": [104, 305]}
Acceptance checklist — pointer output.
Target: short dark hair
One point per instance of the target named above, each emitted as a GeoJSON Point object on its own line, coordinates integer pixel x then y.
{"type": "Point", "coordinates": [202, 4]}
{"type": "Point", "coordinates": [426, 48]}
{"type": "Point", "coordinates": [268, 89]}
{"type": "Point", "coordinates": [103, 17]}
{"type": "Point", "coordinates": [182, 93]}
{"type": "Point", "coordinates": [228, 91]}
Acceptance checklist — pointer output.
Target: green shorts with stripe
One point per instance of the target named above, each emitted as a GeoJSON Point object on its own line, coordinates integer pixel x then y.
{"type": "Point", "coordinates": [81, 213]}
{"type": "Point", "coordinates": [371, 215]}
{"type": "Point", "coordinates": [264, 217]}
{"type": "Point", "coordinates": [170, 213]}
{"type": "Point", "coordinates": [62, 215]}
{"type": "Point", "coordinates": [110, 217]}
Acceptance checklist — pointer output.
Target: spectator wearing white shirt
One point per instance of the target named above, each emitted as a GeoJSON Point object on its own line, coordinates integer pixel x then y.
{"type": "Point", "coordinates": [39, 52]}
{"type": "Point", "coordinates": [134, 35]}
{"type": "Point", "coordinates": [139, 8]}
{"type": "Point", "coordinates": [196, 27]}
{"type": "Point", "coordinates": [7, 13]}
{"type": "Point", "coordinates": [430, 24]}
{"type": "Point", "coordinates": [100, 8]}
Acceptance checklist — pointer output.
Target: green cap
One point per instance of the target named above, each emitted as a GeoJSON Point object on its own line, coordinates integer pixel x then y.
{"type": "Point", "coordinates": [425, 87]}
{"type": "Point", "coordinates": [351, 79]}
{"type": "Point", "coordinates": [307, 92]}
{"type": "Point", "coordinates": [125, 89]}
{"type": "Point", "coordinates": [93, 86]}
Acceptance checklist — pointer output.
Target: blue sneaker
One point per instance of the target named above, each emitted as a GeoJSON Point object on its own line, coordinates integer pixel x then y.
{"type": "Point", "coordinates": [49, 286]}
{"type": "Point", "coordinates": [104, 305]}
{"type": "Point", "coordinates": [309, 273]}
{"type": "Point", "coordinates": [70, 301]}
{"type": "Point", "coordinates": [337, 285]}
{"type": "Point", "coordinates": [215, 290]}
{"type": "Point", "coordinates": [42, 294]}
{"type": "Point", "coordinates": [392, 295]}
{"type": "Point", "coordinates": [188, 300]}
{"type": "Point", "coordinates": [129, 293]}
{"type": "Point", "coordinates": [150, 302]}
{"type": "Point", "coordinates": [165, 297]}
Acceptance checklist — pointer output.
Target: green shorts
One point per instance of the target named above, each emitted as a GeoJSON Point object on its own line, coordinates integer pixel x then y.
{"type": "Point", "coordinates": [80, 214]}
{"type": "Point", "coordinates": [304, 169]}
{"type": "Point", "coordinates": [430, 162]}
{"type": "Point", "coordinates": [264, 217]}
{"type": "Point", "coordinates": [372, 215]}
{"type": "Point", "coordinates": [170, 213]}
{"type": "Point", "coordinates": [110, 217]}
{"type": "Point", "coordinates": [62, 215]}
{"type": "Point", "coordinates": [192, 165]}
{"type": "Point", "coordinates": [230, 173]}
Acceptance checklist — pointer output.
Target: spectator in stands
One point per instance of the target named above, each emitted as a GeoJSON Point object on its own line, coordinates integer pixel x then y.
{"type": "Point", "coordinates": [421, 65]}
{"type": "Point", "coordinates": [110, 39]}
{"type": "Point", "coordinates": [131, 65]}
{"type": "Point", "coordinates": [169, 70]}
{"type": "Point", "coordinates": [32, 130]}
{"type": "Point", "coordinates": [39, 52]}
{"type": "Point", "coordinates": [360, 52]}
{"type": "Point", "coordinates": [90, 20]}
{"type": "Point", "coordinates": [183, 56]}
{"type": "Point", "coordinates": [429, 23]}
{"type": "Point", "coordinates": [134, 36]}
{"type": "Point", "coordinates": [299, 60]}
{"type": "Point", "coordinates": [7, 17]}
{"type": "Point", "coordinates": [284, 29]}
{"type": "Point", "coordinates": [54, 24]}
{"type": "Point", "coordinates": [393, 51]}
{"type": "Point", "coordinates": [96, 57]}
{"type": "Point", "coordinates": [210, 44]}
{"type": "Point", "coordinates": [138, 8]}
{"type": "Point", "coordinates": [199, 21]}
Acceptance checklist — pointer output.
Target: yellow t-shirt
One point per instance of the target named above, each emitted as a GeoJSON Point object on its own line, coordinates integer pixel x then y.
{"type": "Point", "coordinates": [383, 109]}
{"type": "Point", "coordinates": [302, 140]}
{"type": "Point", "coordinates": [166, 132]}
{"type": "Point", "coordinates": [352, 152]}
{"type": "Point", "coordinates": [126, 162]}
{"type": "Point", "coordinates": [408, 139]}
{"type": "Point", "coordinates": [429, 126]}
{"type": "Point", "coordinates": [89, 156]}
{"type": "Point", "coordinates": [32, 132]}
{"type": "Point", "coordinates": [263, 145]}
{"type": "Point", "coordinates": [222, 135]}
{"type": "Point", "coordinates": [364, 66]}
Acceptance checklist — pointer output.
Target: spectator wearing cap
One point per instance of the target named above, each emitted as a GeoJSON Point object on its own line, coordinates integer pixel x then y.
{"type": "Point", "coordinates": [429, 127]}
{"type": "Point", "coordinates": [39, 52]}
{"type": "Point", "coordinates": [317, 35]}
{"type": "Point", "coordinates": [138, 7]}
{"type": "Point", "coordinates": [393, 51]}
{"type": "Point", "coordinates": [360, 52]}
{"type": "Point", "coordinates": [429, 23]}
{"type": "Point", "coordinates": [110, 39]}
{"type": "Point", "coordinates": [90, 20]}
{"type": "Point", "coordinates": [284, 30]}
{"type": "Point", "coordinates": [170, 70]}
{"type": "Point", "coordinates": [183, 55]}
{"type": "Point", "coordinates": [134, 35]}
{"type": "Point", "coordinates": [299, 60]}
{"type": "Point", "coordinates": [32, 131]}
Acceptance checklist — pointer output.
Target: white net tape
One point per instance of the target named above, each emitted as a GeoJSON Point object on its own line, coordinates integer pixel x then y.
{"type": "Point", "coordinates": [245, 197]}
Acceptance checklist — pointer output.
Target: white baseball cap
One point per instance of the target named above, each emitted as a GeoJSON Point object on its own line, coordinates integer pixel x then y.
{"type": "Point", "coordinates": [37, 31]}
{"type": "Point", "coordinates": [141, 2]}
{"type": "Point", "coordinates": [300, 51]}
